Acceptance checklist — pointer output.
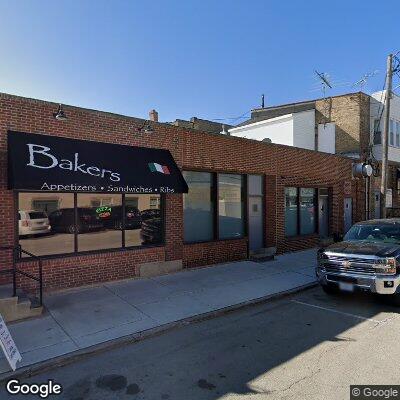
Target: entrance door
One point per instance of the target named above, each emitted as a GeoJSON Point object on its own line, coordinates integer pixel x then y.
{"type": "Point", "coordinates": [348, 213]}
{"type": "Point", "coordinates": [323, 215]}
{"type": "Point", "coordinates": [255, 223]}
{"type": "Point", "coordinates": [377, 204]}
{"type": "Point", "coordinates": [255, 212]}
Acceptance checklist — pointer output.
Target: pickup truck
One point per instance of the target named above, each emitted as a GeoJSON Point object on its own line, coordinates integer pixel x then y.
{"type": "Point", "coordinates": [368, 259]}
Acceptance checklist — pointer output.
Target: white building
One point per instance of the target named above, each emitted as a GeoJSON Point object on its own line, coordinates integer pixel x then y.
{"type": "Point", "coordinates": [376, 111]}
{"type": "Point", "coordinates": [295, 125]}
{"type": "Point", "coordinates": [297, 128]}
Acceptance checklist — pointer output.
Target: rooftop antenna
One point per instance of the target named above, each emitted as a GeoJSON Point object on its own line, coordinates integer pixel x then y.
{"type": "Point", "coordinates": [363, 81]}
{"type": "Point", "coordinates": [324, 79]}
{"type": "Point", "coordinates": [325, 83]}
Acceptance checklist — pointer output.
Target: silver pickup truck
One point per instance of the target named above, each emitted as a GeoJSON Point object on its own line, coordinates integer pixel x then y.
{"type": "Point", "coordinates": [368, 259]}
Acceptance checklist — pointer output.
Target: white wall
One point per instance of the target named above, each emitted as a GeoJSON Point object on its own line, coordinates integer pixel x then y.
{"type": "Point", "coordinates": [393, 153]}
{"type": "Point", "coordinates": [326, 137]}
{"type": "Point", "coordinates": [376, 108]}
{"type": "Point", "coordinates": [304, 129]}
{"type": "Point", "coordinates": [291, 129]}
{"type": "Point", "coordinates": [394, 104]}
{"type": "Point", "coordinates": [279, 130]}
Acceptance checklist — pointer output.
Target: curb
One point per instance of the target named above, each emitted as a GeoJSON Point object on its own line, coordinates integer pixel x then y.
{"type": "Point", "coordinates": [43, 366]}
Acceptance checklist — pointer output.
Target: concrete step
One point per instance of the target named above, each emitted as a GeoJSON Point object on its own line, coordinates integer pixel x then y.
{"type": "Point", "coordinates": [13, 308]}
{"type": "Point", "coordinates": [263, 254]}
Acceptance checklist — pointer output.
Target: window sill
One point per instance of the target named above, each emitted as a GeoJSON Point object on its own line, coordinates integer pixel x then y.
{"type": "Point", "coordinates": [299, 237]}
{"type": "Point", "coordinates": [215, 240]}
{"type": "Point", "coordinates": [89, 253]}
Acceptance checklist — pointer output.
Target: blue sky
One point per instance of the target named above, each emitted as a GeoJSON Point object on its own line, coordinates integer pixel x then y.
{"type": "Point", "coordinates": [210, 59]}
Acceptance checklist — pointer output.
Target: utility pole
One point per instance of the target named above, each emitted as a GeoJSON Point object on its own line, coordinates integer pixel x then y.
{"type": "Point", "coordinates": [385, 136]}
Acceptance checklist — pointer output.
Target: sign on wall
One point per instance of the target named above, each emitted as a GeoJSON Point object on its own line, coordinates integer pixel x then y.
{"type": "Point", "coordinates": [389, 198]}
{"type": "Point", "coordinates": [8, 346]}
{"type": "Point", "coordinates": [347, 188]}
{"type": "Point", "coordinates": [51, 163]}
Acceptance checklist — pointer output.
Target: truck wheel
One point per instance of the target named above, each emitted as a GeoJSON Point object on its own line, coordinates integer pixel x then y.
{"type": "Point", "coordinates": [330, 289]}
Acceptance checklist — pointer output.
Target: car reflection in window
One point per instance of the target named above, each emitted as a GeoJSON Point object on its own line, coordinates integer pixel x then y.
{"type": "Point", "coordinates": [151, 231]}
{"type": "Point", "coordinates": [62, 220]}
{"type": "Point", "coordinates": [112, 217]}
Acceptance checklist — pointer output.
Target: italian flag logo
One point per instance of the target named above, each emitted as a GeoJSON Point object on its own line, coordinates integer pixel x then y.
{"type": "Point", "coordinates": [154, 167]}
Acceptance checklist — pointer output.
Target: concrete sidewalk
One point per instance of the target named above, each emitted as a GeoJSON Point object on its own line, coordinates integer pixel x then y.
{"type": "Point", "coordinates": [80, 318]}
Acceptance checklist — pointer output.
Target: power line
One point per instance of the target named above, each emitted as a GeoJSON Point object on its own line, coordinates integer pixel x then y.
{"type": "Point", "coordinates": [232, 119]}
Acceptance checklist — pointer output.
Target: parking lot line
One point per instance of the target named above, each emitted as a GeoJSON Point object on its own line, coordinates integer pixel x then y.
{"type": "Point", "coordinates": [337, 311]}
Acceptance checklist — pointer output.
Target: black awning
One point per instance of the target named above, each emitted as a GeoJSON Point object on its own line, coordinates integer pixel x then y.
{"type": "Point", "coordinates": [51, 163]}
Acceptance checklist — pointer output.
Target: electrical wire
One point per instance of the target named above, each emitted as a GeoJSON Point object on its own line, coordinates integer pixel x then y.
{"type": "Point", "coordinates": [232, 119]}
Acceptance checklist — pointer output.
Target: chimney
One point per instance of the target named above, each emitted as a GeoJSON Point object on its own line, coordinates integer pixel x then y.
{"type": "Point", "coordinates": [153, 115]}
{"type": "Point", "coordinates": [224, 131]}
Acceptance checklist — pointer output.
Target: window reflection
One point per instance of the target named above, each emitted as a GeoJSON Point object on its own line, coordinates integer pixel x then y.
{"type": "Point", "coordinates": [49, 223]}
{"type": "Point", "coordinates": [291, 209]}
{"type": "Point", "coordinates": [99, 221]}
{"type": "Point", "coordinates": [38, 230]}
{"type": "Point", "coordinates": [230, 206]}
{"type": "Point", "coordinates": [198, 207]}
{"type": "Point", "coordinates": [143, 221]}
{"type": "Point", "coordinates": [308, 211]}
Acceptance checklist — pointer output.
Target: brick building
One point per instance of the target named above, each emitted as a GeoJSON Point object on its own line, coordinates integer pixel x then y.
{"type": "Point", "coordinates": [202, 125]}
{"type": "Point", "coordinates": [243, 195]}
{"type": "Point", "coordinates": [348, 124]}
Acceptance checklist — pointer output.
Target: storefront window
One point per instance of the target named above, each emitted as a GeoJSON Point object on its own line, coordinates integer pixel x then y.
{"type": "Point", "coordinates": [198, 207]}
{"type": "Point", "coordinates": [98, 227]}
{"type": "Point", "coordinates": [43, 225]}
{"type": "Point", "coordinates": [300, 211]}
{"type": "Point", "coordinates": [230, 206]}
{"type": "Point", "coordinates": [291, 209]}
{"type": "Point", "coordinates": [50, 224]}
{"type": "Point", "coordinates": [143, 220]}
{"type": "Point", "coordinates": [307, 211]}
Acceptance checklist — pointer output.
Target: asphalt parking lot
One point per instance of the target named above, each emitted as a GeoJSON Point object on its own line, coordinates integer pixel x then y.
{"type": "Point", "coordinates": [308, 346]}
{"type": "Point", "coordinates": [58, 243]}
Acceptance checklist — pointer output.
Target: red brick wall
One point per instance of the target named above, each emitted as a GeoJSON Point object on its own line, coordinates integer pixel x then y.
{"type": "Point", "coordinates": [214, 252]}
{"type": "Point", "coordinates": [281, 165]}
{"type": "Point", "coordinates": [87, 269]}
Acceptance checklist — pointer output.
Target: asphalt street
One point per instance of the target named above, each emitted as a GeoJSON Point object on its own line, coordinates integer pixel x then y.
{"type": "Point", "coordinates": [304, 346]}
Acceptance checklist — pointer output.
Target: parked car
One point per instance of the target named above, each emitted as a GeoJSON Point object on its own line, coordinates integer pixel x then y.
{"type": "Point", "coordinates": [111, 216]}
{"type": "Point", "coordinates": [367, 259]}
{"type": "Point", "coordinates": [62, 220]}
{"type": "Point", "coordinates": [151, 232]}
{"type": "Point", "coordinates": [150, 213]}
{"type": "Point", "coordinates": [33, 222]}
